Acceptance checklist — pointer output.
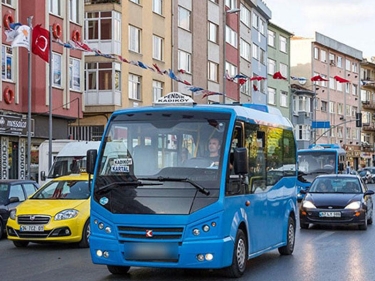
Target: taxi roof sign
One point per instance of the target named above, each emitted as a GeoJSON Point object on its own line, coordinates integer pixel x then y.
{"type": "Point", "coordinates": [174, 98]}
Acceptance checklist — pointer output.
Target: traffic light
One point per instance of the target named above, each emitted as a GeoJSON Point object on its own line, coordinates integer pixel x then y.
{"type": "Point", "coordinates": [358, 119]}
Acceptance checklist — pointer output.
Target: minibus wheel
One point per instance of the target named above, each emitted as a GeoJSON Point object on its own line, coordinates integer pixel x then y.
{"type": "Point", "coordinates": [117, 270]}
{"type": "Point", "coordinates": [239, 259]}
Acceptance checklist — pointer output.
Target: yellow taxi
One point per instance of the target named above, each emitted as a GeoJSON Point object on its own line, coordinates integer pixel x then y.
{"type": "Point", "coordinates": [57, 212]}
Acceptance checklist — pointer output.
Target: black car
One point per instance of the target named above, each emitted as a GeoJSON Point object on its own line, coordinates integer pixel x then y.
{"type": "Point", "coordinates": [13, 192]}
{"type": "Point", "coordinates": [341, 199]}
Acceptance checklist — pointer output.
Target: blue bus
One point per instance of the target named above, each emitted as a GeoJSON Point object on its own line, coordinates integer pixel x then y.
{"type": "Point", "coordinates": [318, 159]}
{"type": "Point", "coordinates": [159, 199]}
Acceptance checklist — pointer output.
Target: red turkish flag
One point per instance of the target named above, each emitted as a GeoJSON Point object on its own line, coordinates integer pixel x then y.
{"type": "Point", "coordinates": [340, 79]}
{"type": "Point", "coordinates": [318, 78]}
{"type": "Point", "coordinates": [40, 42]}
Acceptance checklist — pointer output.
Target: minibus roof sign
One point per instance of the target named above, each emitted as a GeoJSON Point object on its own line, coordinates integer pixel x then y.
{"type": "Point", "coordinates": [174, 98]}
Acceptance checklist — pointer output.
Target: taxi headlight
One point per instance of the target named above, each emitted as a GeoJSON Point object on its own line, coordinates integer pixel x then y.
{"type": "Point", "coordinates": [354, 205]}
{"type": "Point", "coordinates": [66, 214]}
{"type": "Point", "coordinates": [12, 214]}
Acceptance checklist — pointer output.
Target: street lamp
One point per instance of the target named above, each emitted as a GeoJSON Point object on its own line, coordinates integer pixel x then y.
{"type": "Point", "coordinates": [230, 11]}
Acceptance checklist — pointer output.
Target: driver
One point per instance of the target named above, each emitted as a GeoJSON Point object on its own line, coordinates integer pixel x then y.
{"type": "Point", "coordinates": [214, 149]}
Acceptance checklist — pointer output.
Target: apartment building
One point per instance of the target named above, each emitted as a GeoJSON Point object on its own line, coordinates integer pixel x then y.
{"type": "Point", "coordinates": [330, 99]}
{"type": "Point", "coordinates": [368, 110]}
{"type": "Point", "coordinates": [278, 69]}
{"type": "Point", "coordinates": [25, 83]}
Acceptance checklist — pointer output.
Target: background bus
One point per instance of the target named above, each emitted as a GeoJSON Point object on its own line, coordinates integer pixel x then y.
{"type": "Point", "coordinates": [316, 160]}
{"type": "Point", "coordinates": [149, 208]}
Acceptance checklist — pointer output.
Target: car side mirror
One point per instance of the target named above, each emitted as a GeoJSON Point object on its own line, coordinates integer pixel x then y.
{"type": "Point", "coordinates": [14, 200]}
{"type": "Point", "coordinates": [368, 192]}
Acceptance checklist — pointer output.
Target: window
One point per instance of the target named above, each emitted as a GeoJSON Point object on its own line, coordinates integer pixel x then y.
{"type": "Point", "coordinates": [99, 26]}
{"type": "Point", "coordinates": [134, 39]}
{"type": "Point", "coordinates": [271, 66]}
{"type": "Point", "coordinates": [354, 111]}
{"type": "Point", "coordinates": [355, 90]}
{"type": "Point", "coordinates": [331, 107]}
{"type": "Point", "coordinates": [134, 87]}
{"type": "Point", "coordinates": [157, 89]}
{"type": "Point", "coordinates": [7, 62]}
{"type": "Point", "coordinates": [355, 67]}
{"type": "Point", "coordinates": [331, 83]}
{"type": "Point", "coordinates": [231, 4]}
{"type": "Point", "coordinates": [245, 16]}
{"type": "Point", "coordinates": [245, 50]}
{"type": "Point", "coordinates": [283, 47]}
{"type": "Point", "coordinates": [8, 2]}
{"type": "Point", "coordinates": [157, 47]}
{"type": "Point", "coordinates": [212, 32]}
{"type": "Point", "coordinates": [255, 52]}
{"type": "Point", "coordinates": [157, 6]}
{"type": "Point", "coordinates": [348, 110]}
{"type": "Point", "coordinates": [231, 69]}
{"type": "Point", "coordinates": [184, 61]}
{"type": "Point", "coordinates": [213, 71]}
{"type": "Point", "coordinates": [339, 87]}
{"type": "Point", "coordinates": [323, 56]}
{"type": "Point", "coordinates": [74, 74]}
{"type": "Point", "coordinates": [262, 28]}
{"type": "Point", "coordinates": [340, 108]}
{"type": "Point", "coordinates": [347, 88]}
{"type": "Point", "coordinates": [103, 76]}
{"type": "Point", "coordinates": [324, 106]}
{"type": "Point", "coordinates": [231, 36]}
{"type": "Point", "coordinates": [339, 61]}
{"type": "Point", "coordinates": [316, 53]}
{"type": "Point", "coordinates": [271, 38]}
{"type": "Point", "coordinates": [135, 1]}
{"type": "Point", "coordinates": [55, 7]}
{"type": "Point", "coordinates": [56, 69]}
{"type": "Point", "coordinates": [74, 10]}
{"type": "Point", "coordinates": [284, 69]}
{"type": "Point", "coordinates": [284, 99]}
{"type": "Point", "coordinates": [303, 104]}
{"type": "Point", "coordinates": [347, 65]}
{"type": "Point", "coordinates": [255, 21]}
{"type": "Point", "coordinates": [262, 56]}
{"type": "Point", "coordinates": [302, 132]}
{"type": "Point", "coordinates": [272, 96]}
{"type": "Point", "coordinates": [183, 18]}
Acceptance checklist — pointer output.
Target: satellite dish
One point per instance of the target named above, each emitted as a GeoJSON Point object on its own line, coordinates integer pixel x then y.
{"type": "Point", "coordinates": [302, 80]}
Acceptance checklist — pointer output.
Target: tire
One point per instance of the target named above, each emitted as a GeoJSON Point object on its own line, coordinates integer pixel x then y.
{"type": "Point", "coordinates": [85, 242]}
{"type": "Point", "coordinates": [21, 244]}
{"type": "Point", "coordinates": [239, 258]}
{"type": "Point", "coordinates": [290, 238]}
{"type": "Point", "coordinates": [2, 234]}
{"type": "Point", "coordinates": [364, 225]}
{"type": "Point", "coordinates": [118, 270]}
{"type": "Point", "coordinates": [304, 225]}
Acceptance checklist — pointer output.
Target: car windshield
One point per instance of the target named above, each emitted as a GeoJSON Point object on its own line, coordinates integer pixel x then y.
{"type": "Point", "coordinates": [70, 190]}
{"type": "Point", "coordinates": [336, 185]}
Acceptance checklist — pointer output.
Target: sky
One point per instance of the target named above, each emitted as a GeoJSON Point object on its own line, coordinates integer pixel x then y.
{"type": "Point", "coordinates": [351, 22]}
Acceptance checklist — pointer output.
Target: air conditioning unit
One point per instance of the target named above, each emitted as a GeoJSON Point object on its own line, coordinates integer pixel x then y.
{"type": "Point", "coordinates": [332, 62]}
{"type": "Point", "coordinates": [308, 114]}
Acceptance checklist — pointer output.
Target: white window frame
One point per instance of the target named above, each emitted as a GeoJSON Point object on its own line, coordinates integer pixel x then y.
{"type": "Point", "coordinates": [7, 63]}
{"type": "Point", "coordinates": [184, 61]}
{"type": "Point", "coordinates": [213, 71]}
{"type": "Point", "coordinates": [56, 69]}
{"type": "Point", "coordinates": [231, 37]}
{"type": "Point", "coordinates": [283, 99]}
{"type": "Point", "coordinates": [55, 7]}
{"type": "Point", "coordinates": [157, 47]}
{"type": "Point", "coordinates": [271, 66]}
{"type": "Point", "coordinates": [184, 18]}
{"type": "Point", "coordinates": [75, 74]}
{"type": "Point", "coordinates": [283, 44]}
{"type": "Point", "coordinates": [271, 38]}
{"type": "Point", "coordinates": [134, 39]}
{"type": "Point", "coordinates": [134, 87]}
{"type": "Point", "coordinates": [271, 96]}
{"type": "Point", "coordinates": [245, 15]}
{"type": "Point", "coordinates": [157, 89]}
{"type": "Point", "coordinates": [213, 30]}
{"type": "Point", "coordinates": [157, 6]}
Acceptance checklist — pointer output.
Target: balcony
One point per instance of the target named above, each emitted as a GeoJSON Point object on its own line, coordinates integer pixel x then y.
{"type": "Point", "coordinates": [368, 105]}
{"type": "Point", "coordinates": [90, 2]}
{"type": "Point", "coordinates": [370, 128]}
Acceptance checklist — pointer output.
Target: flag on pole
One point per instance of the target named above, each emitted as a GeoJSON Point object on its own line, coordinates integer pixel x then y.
{"type": "Point", "coordinates": [40, 42]}
{"type": "Point", "coordinates": [23, 37]}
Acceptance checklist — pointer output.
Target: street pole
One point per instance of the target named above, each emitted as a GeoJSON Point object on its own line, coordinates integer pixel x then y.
{"type": "Point", "coordinates": [50, 101]}
{"type": "Point", "coordinates": [29, 22]}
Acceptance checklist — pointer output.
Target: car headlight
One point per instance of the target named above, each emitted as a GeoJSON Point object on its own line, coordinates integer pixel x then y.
{"type": "Point", "coordinates": [66, 214]}
{"type": "Point", "coordinates": [354, 205]}
{"type": "Point", "coordinates": [308, 205]}
{"type": "Point", "coordinates": [12, 214]}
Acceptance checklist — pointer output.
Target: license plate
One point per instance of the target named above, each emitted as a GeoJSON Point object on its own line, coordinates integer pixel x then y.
{"type": "Point", "coordinates": [32, 228]}
{"type": "Point", "coordinates": [150, 251]}
{"type": "Point", "coordinates": [330, 214]}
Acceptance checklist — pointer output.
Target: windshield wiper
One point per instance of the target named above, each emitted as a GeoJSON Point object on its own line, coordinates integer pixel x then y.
{"type": "Point", "coordinates": [193, 183]}
{"type": "Point", "coordinates": [104, 188]}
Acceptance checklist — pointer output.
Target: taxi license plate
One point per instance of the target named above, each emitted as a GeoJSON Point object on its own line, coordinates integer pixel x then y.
{"type": "Point", "coordinates": [330, 214]}
{"type": "Point", "coordinates": [32, 228]}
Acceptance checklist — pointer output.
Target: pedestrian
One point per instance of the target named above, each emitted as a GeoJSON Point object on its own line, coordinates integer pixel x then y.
{"type": "Point", "coordinates": [348, 168]}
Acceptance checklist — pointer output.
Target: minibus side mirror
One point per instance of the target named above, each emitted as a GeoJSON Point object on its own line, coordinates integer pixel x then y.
{"type": "Point", "coordinates": [91, 159]}
{"type": "Point", "coordinates": [240, 164]}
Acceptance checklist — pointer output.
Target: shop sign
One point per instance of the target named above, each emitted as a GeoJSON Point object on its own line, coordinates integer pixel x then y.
{"type": "Point", "coordinates": [13, 125]}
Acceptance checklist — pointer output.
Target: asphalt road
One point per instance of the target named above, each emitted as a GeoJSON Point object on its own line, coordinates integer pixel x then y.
{"type": "Point", "coordinates": [321, 253]}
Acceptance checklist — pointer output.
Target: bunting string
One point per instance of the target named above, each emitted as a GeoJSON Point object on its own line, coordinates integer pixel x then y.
{"type": "Point", "coordinates": [18, 36]}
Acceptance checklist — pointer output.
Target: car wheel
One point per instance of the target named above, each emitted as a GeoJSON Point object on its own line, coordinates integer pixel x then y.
{"type": "Point", "coordinates": [21, 244]}
{"type": "Point", "coordinates": [1, 229]}
{"type": "Point", "coordinates": [290, 238]}
{"type": "Point", "coordinates": [85, 243]}
{"type": "Point", "coordinates": [303, 225]}
{"type": "Point", "coordinates": [364, 225]}
{"type": "Point", "coordinates": [239, 258]}
{"type": "Point", "coordinates": [117, 270]}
